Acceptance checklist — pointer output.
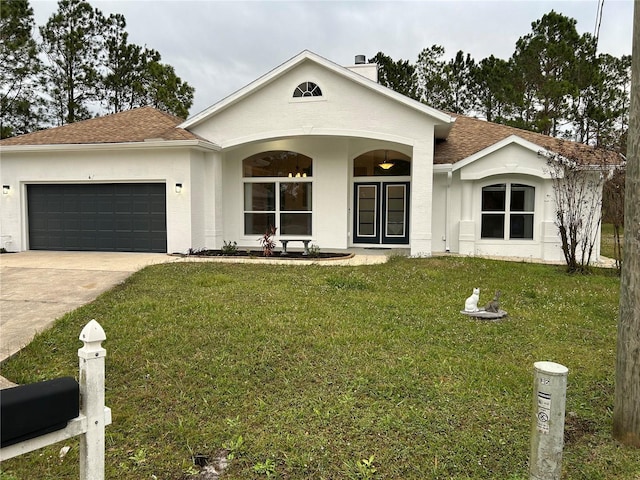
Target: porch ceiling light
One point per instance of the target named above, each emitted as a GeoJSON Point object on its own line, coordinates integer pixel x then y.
{"type": "Point", "coordinates": [386, 165]}
{"type": "Point", "coordinates": [6, 189]}
{"type": "Point", "coordinates": [297, 173]}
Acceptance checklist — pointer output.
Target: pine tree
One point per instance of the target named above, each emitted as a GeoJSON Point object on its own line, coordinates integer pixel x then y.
{"type": "Point", "coordinates": [72, 39]}
{"type": "Point", "coordinates": [398, 75]}
{"type": "Point", "coordinates": [19, 66]}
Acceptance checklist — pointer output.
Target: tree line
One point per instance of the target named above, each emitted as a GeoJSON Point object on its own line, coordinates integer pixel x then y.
{"type": "Point", "coordinates": [555, 83]}
{"type": "Point", "coordinates": [81, 65]}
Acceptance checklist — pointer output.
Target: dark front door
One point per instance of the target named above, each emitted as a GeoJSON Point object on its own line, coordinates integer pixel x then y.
{"type": "Point", "coordinates": [381, 213]}
{"type": "Point", "coordinates": [119, 217]}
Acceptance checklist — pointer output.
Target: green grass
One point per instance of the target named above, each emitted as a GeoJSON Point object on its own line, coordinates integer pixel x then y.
{"type": "Point", "coordinates": [607, 240]}
{"type": "Point", "coordinates": [340, 372]}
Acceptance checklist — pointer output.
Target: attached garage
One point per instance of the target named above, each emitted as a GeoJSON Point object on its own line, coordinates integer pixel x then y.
{"type": "Point", "coordinates": [118, 217]}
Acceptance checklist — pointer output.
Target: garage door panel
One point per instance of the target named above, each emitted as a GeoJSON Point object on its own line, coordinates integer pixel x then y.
{"type": "Point", "coordinates": [140, 207]}
{"type": "Point", "coordinates": [105, 225]}
{"type": "Point", "coordinates": [100, 217]}
{"type": "Point", "coordinates": [157, 224]}
{"type": "Point", "coordinates": [54, 225]}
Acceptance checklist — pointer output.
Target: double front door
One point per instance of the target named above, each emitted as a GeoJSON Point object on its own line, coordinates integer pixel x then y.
{"type": "Point", "coordinates": [381, 213]}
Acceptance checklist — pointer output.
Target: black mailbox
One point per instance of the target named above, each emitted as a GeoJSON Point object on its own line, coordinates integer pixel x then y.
{"type": "Point", "coordinates": [28, 411]}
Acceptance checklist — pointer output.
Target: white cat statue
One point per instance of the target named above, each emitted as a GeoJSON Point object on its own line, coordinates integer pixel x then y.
{"type": "Point", "coordinates": [471, 303]}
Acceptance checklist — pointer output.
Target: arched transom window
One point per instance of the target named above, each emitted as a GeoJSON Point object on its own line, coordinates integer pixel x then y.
{"type": "Point", "coordinates": [382, 163]}
{"type": "Point", "coordinates": [277, 163]}
{"type": "Point", "coordinates": [307, 89]}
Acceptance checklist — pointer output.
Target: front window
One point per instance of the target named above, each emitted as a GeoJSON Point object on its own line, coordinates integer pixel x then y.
{"type": "Point", "coordinates": [507, 211]}
{"type": "Point", "coordinates": [259, 207]}
{"type": "Point", "coordinates": [295, 208]}
{"type": "Point", "coordinates": [278, 193]}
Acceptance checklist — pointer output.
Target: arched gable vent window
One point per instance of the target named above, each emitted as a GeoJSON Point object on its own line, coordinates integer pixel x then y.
{"type": "Point", "coordinates": [307, 89]}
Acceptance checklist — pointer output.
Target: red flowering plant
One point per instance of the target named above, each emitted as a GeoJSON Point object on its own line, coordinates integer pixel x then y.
{"type": "Point", "coordinates": [267, 242]}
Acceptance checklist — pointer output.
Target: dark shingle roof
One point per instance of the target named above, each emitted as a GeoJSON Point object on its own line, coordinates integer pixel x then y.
{"type": "Point", "coordinates": [467, 137]}
{"type": "Point", "coordinates": [135, 125]}
{"type": "Point", "coordinates": [471, 135]}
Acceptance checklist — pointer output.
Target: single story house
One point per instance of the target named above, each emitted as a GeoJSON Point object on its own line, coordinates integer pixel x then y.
{"type": "Point", "coordinates": [319, 151]}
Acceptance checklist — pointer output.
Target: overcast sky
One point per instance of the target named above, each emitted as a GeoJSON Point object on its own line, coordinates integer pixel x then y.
{"type": "Point", "coordinates": [219, 47]}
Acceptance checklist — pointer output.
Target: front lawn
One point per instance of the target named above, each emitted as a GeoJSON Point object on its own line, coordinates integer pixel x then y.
{"type": "Point", "coordinates": [303, 372]}
{"type": "Point", "coordinates": [607, 240]}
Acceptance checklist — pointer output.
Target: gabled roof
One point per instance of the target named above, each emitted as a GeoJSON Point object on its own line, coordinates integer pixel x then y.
{"type": "Point", "coordinates": [444, 119]}
{"type": "Point", "coordinates": [137, 125]}
{"type": "Point", "coordinates": [470, 136]}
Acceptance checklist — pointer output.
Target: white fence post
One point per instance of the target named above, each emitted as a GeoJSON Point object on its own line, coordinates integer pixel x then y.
{"type": "Point", "coordinates": [547, 432]}
{"type": "Point", "coordinates": [92, 360]}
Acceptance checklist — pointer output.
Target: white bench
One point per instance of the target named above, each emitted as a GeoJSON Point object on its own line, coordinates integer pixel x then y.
{"type": "Point", "coordinates": [285, 242]}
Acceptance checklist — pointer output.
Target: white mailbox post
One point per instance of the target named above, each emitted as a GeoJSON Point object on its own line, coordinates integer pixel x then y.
{"type": "Point", "coordinates": [94, 415]}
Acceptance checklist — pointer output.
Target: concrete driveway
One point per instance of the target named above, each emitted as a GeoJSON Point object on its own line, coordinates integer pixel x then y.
{"type": "Point", "coordinates": [38, 287]}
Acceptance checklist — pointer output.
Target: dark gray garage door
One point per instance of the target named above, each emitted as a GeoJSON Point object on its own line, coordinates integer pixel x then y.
{"type": "Point", "coordinates": [118, 217]}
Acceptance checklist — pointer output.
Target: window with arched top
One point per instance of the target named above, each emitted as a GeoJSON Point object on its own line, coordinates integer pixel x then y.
{"type": "Point", "coordinates": [307, 89]}
{"type": "Point", "coordinates": [278, 189]}
{"type": "Point", "coordinates": [507, 211]}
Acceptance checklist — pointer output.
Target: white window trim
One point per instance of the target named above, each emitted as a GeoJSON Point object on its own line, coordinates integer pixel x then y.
{"type": "Point", "coordinates": [507, 212]}
{"type": "Point", "coordinates": [277, 212]}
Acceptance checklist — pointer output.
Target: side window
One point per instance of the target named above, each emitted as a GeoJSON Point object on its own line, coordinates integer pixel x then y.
{"type": "Point", "coordinates": [493, 211]}
{"type": "Point", "coordinates": [521, 211]}
{"type": "Point", "coordinates": [508, 211]}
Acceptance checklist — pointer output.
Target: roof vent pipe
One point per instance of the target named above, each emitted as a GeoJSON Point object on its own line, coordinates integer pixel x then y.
{"type": "Point", "coordinates": [361, 59]}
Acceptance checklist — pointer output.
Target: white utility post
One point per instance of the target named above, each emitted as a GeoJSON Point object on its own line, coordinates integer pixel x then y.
{"type": "Point", "coordinates": [547, 432]}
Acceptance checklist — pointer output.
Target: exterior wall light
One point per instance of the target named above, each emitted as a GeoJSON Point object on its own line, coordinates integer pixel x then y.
{"type": "Point", "coordinates": [178, 188]}
{"type": "Point", "coordinates": [6, 189]}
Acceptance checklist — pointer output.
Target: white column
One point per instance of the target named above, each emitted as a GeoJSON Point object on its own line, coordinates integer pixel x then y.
{"type": "Point", "coordinates": [214, 220]}
{"type": "Point", "coordinates": [467, 230]}
{"type": "Point", "coordinates": [421, 199]}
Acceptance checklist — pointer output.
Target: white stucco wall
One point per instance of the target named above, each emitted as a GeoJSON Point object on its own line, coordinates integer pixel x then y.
{"type": "Point", "coordinates": [106, 164]}
{"type": "Point", "coordinates": [346, 108]}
